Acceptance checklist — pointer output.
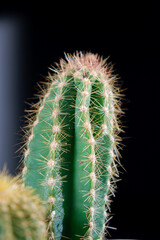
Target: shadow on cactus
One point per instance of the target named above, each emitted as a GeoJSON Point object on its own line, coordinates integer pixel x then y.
{"type": "Point", "coordinates": [71, 152]}
{"type": "Point", "coordinates": [22, 215]}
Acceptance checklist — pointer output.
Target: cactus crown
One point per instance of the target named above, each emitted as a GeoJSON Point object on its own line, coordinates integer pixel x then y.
{"type": "Point", "coordinates": [72, 145]}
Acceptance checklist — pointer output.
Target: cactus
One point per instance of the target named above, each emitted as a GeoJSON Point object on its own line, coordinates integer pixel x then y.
{"type": "Point", "coordinates": [71, 151]}
{"type": "Point", "coordinates": [22, 215]}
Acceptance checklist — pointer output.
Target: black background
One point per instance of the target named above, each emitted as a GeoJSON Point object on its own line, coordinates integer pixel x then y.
{"type": "Point", "coordinates": [129, 35]}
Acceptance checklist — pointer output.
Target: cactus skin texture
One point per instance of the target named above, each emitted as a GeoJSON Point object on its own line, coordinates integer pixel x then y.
{"type": "Point", "coordinates": [22, 216]}
{"type": "Point", "coordinates": [71, 152]}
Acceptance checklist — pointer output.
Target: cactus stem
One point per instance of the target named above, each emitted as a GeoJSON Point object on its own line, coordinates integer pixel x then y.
{"type": "Point", "coordinates": [75, 129]}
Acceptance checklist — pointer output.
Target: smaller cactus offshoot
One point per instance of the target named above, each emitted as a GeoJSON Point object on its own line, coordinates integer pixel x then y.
{"type": "Point", "coordinates": [22, 217]}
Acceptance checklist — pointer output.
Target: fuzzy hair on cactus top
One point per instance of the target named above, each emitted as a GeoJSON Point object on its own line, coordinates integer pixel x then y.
{"type": "Point", "coordinates": [72, 148]}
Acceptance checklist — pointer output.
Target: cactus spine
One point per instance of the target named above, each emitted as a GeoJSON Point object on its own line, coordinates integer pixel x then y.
{"type": "Point", "coordinates": [72, 146]}
{"type": "Point", "coordinates": [21, 212]}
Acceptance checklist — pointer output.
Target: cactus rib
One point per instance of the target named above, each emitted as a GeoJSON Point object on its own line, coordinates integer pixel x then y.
{"type": "Point", "coordinates": [71, 151]}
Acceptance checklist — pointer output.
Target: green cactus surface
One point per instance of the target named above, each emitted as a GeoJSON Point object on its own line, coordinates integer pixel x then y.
{"type": "Point", "coordinates": [22, 216]}
{"type": "Point", "coordinates": [71, 152]}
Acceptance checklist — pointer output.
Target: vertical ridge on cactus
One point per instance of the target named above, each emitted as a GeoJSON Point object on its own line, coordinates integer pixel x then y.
{"type": "Point", "coordinates": [72, 145]}
{"type": "Point", "coordinates": [22, 215]}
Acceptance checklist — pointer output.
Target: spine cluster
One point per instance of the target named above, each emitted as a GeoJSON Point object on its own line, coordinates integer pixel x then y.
{"type": "Point", "coordinates": [71, 155]}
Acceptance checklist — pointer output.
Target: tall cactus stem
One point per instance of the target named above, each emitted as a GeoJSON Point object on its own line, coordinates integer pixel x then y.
{"type": "Point", "coordinates": [71, 152]}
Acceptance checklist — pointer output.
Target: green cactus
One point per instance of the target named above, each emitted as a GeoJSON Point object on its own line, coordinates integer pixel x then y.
{"type": "Point", "coordinates": [22, 216]}
{"type": "Point", "coordinates": [71, 151]}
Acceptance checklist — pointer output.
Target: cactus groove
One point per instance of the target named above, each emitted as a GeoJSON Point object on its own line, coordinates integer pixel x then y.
{"type": "Point", "coordinates": [71, 152]}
